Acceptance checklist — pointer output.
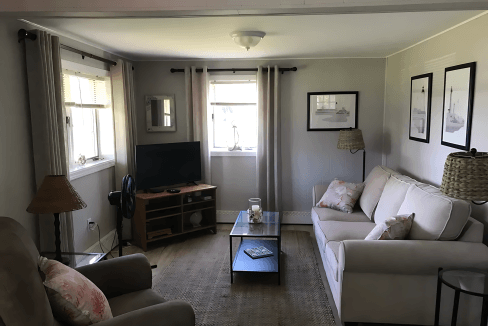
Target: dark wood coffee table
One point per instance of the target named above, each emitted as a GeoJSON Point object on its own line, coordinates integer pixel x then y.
{"type": "Point", "coordinates": [267, 234]}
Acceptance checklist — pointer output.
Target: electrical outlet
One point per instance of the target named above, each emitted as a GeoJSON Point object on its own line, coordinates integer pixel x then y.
{"type": "Point", "coordinates": [90, 227]}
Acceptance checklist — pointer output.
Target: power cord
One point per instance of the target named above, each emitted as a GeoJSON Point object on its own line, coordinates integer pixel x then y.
{"type": "Point", "coordinates": [99, 240]}
{"type": "Point", "coordinates": [92, 226]}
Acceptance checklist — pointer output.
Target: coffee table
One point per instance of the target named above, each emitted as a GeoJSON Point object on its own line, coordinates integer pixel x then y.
{"type": "Point", "coordinates": [267, 234]}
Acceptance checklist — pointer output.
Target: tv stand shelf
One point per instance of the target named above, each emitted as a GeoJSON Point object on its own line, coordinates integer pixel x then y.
{"type": "Point", "coordinates": [164, 215]}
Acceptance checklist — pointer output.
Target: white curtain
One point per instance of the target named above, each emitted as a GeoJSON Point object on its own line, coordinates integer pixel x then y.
{"type": "Point", "coordinates": [268, 158]}
{"type": "Point", "coordinates": [49, 133]}
{"type": "Point", "coordinates": [196, 85]}
{"type": "Point", "coordinates": [124, 125]}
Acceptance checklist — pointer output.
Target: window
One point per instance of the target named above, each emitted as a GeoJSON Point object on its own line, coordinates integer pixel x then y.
{"type": "Point", "coordinates": [233, 101]}
{"type": "Point", "coordinates": [89, 117]}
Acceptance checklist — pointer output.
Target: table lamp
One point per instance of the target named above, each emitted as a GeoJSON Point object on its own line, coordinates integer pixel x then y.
{"type": "Point", "coordinates": [352, 139]}
{"type": "Point", "coordinates": [56, 195]}
{"type": "Point", "coordinates": [466, 176]}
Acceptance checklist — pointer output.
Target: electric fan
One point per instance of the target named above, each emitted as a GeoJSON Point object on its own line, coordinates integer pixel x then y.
{"type": "Point", "coordinates": [125, 200]}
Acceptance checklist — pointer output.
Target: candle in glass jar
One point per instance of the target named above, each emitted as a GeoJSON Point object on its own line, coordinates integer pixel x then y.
{"type": "Point", "coordinates": [255, 209]}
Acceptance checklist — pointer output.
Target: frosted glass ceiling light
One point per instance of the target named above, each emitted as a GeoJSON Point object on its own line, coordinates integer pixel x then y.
{"type": "Point", "coordinates": [247, 39]}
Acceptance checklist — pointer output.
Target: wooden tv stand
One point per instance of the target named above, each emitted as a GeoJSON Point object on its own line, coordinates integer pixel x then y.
{"type": "Point", "coordinates": [163, 215]}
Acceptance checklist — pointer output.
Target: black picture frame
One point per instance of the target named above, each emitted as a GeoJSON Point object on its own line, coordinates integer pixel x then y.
{"type": "Point", "coordinates": [351, 122]}
{"type": "Point", "coordinates": [452, 133]}
{"type": "Point", "coordinates": [419, 126]}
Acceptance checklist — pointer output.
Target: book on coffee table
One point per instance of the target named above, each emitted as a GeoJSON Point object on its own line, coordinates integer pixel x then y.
{"type": "Point", "coordinates": [258, 252]}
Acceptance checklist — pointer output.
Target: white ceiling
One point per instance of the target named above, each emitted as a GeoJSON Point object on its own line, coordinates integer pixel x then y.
{"type": "Point", "coordinates": [310, 36]}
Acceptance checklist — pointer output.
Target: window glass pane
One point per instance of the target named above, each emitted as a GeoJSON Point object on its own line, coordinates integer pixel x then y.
{"type": "Point", "coordinates": [84, 132]}
{"type": "Point", "coordinates": [245, 120]}
{"type": "Point", "coordinates": [106, 123]}
{"type": "Point", "coordinates": [233, 93]}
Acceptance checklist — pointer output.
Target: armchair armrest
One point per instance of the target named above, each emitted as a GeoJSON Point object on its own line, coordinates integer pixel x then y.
{"type": "Point", "coordinates": [171, 313]}
{"type": "Point", "coordinates": [414, 257]}
{"type": "Point", "coordinates": [121, 275]}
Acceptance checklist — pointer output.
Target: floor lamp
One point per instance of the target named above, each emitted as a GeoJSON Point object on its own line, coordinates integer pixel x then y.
{"type": "Point", "coordinates": [352, 139]}
{"type": "Point", "coordinates": [466, 176]}
{"type": "Point", "coordinates": [56, 195]}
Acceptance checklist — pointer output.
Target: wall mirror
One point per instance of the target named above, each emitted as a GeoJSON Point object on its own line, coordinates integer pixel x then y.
{"type": "Point", "coordinates": [160, 113]}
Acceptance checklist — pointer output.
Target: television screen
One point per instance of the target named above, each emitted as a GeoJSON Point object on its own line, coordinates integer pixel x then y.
{"type": "Point", "coordinates": [167, 164]}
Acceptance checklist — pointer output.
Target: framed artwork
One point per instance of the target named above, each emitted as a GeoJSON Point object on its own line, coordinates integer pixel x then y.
{"type": "Point", "coordinates": [458, 105]}
{"type": "Point", "coordinates": [420, 103]}
{"type": "Point", "coordinates": [330, 111]}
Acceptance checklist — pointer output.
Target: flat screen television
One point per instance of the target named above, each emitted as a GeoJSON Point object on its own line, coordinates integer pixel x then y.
{"type": "Point", "coordinates": [167, 164]}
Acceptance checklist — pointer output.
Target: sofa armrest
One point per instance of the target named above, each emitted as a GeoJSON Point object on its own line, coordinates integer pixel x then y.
{"type": "Point", "coordinates": [171, 313]}
{"type": "Point", "coordinates": [120, 275]}
{"type": "Point", "coordinates": [317, 192]}
{"type": "Point", "coordinates": [414, 257]}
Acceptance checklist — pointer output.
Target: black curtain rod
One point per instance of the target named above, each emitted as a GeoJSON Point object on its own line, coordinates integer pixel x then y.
{"type": "Point", "coordinates": [23, 34]}
{"type": "Point", "coordinates": [282, 70]}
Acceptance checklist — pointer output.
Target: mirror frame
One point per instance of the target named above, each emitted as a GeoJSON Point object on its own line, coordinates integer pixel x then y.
{"type": "Point", "coordinates": [149, 126]}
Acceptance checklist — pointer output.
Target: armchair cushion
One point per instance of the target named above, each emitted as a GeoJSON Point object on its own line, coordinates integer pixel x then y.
{"type": "Point", "coordinates": [121, 275]}
{"type": "Point", "coordinates": [133, 301]}
{"type": "Point", "coordinates": [172, 313]}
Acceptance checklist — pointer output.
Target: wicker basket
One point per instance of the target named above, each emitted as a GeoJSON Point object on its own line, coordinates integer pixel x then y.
{"type": "Point", "coordinates": [466, 176]}
{"type": "Point", "coordinates": [350, 139]}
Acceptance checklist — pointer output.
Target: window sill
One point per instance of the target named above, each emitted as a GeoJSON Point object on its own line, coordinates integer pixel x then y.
{"type": "Point", "coordinates": [90, 168]}
{"type": "Point", "coordinates": [225, 152]}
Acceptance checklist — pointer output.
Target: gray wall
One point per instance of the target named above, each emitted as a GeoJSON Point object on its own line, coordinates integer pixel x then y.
{"type": "Point", "coordinates": [466, 43]}
{"type": "Point", "coordinates": [16, 160]}
{"type": "Point", "coordinates": [308, 157]}
{"type": "Point", "coordinates": [16, 163]}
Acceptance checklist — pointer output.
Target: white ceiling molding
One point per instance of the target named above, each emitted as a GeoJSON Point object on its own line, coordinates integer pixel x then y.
{"type": "Point", "coordinates": [198, 8]}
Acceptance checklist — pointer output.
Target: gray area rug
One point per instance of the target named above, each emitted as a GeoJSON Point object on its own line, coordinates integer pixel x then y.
{"type": "Point", "coordinates": [199, 274]}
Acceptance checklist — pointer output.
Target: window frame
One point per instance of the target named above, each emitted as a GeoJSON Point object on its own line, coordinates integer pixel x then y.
{"type": "Point", "coordinates": [100, 161]}
{"type": "Point", "coordinates": [231, 79]}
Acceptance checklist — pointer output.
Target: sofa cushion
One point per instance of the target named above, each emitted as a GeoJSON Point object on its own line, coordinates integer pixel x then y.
{"type": "Point", "coordinates": [374, 184]}
{"type": "Point", "coordinates": [437, 217]}
{"type": "Point", "coordinates": [133, 301]}
{"type": "Point", "coordinates": [339, 231]}
{"type": "Point", "coordinates": [327, 214]}
{"type": "Point", "coordinates": [392, 197]}
{"type": "Point", "coordinates": [332, 256]}
{"type": "Point", "coordinates": [341, 195]}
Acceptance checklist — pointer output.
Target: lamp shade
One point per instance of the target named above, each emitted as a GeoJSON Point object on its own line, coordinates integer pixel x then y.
{"type": "Point", "coordinates": [350, 139]}
{"type": "Point", "coordinates": [466, 176]}
{"type": "Point", "coordinates": [56, 195]}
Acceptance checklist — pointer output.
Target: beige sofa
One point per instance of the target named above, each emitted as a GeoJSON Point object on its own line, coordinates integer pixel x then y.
{"type": "Point", "coordinates": [395, 281]}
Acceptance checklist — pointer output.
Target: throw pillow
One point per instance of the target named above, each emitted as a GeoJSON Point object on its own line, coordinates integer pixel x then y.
{"type": "Point", "coordinates": [393, 228]}
{"type": "Point", "coordinates": [74, 299]}
{"type": "Point", "coordinates": [341, 196]}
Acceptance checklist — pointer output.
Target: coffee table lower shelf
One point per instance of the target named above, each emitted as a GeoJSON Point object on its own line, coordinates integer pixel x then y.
{"type": "Point", "coordinates": [243, 263]}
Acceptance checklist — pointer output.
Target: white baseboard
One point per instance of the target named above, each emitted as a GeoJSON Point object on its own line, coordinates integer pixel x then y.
{"type": "Point", "coordinates": [289, 217]}
{"type": "Point", "coordinates": [106, 242]}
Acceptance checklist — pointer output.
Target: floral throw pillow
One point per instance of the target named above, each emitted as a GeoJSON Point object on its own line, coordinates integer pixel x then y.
{"type": "Point", "coordinates": [341, 196]}
{"type": "Point", "coordinates": [74, 299]}
{"type": "Point", "coordinates": [393, 228]}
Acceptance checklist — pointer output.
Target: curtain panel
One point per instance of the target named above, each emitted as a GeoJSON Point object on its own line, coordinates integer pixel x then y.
{"type": "Point", "coordinates": [49, 134]}
{"type": "Point", "coordinates": [198, 117]}
{"type": "Point", "coordinates": [268, 156]}
{"type": "Point", "coordinates": [124, 126]}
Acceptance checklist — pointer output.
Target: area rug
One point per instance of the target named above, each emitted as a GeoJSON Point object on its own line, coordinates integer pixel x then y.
{"type": "Point", "coordinates": [199, 274]}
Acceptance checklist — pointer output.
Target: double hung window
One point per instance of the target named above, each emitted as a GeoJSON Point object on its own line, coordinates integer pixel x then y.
{"type": "Point", "coordinates": [233, 105]}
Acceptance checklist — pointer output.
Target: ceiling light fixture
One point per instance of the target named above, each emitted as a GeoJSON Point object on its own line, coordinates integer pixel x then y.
{"type": "Point", "coordinates": [247, 39]}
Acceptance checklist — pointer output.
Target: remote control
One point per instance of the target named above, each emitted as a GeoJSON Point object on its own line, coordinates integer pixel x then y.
{"type": "Point", "coordinates": [173, 191]}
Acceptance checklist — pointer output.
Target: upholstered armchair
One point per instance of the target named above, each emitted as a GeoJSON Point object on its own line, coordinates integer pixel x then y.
{"type": "Point", "coordinates": [125, 281]}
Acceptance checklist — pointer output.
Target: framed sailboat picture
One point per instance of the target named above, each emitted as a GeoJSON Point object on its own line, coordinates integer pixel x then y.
{"type": "Point", "coordinates": [420, 102]}
{"type": "Point", "coordinates": [329, 111]}
{"type": "Point", "coordinates": [458, 105]}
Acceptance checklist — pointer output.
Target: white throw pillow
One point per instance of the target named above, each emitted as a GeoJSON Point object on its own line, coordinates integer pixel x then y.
{"type": "Point", "coordinates": [341, 196]}
{"type": "Point", "coordinates": [393, 228]}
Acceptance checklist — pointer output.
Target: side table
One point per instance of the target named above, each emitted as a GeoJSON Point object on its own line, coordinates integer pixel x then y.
{"type": "Point", "coordinates": [454, 278]}
{"type": "Point", "coordinates": [84, 257]}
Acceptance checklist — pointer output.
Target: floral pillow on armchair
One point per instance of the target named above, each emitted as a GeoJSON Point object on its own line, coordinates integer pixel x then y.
{"type": "Point", "coordinates": [74, 299]}
{"type": "Point", "coordinates": [341, 196]}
